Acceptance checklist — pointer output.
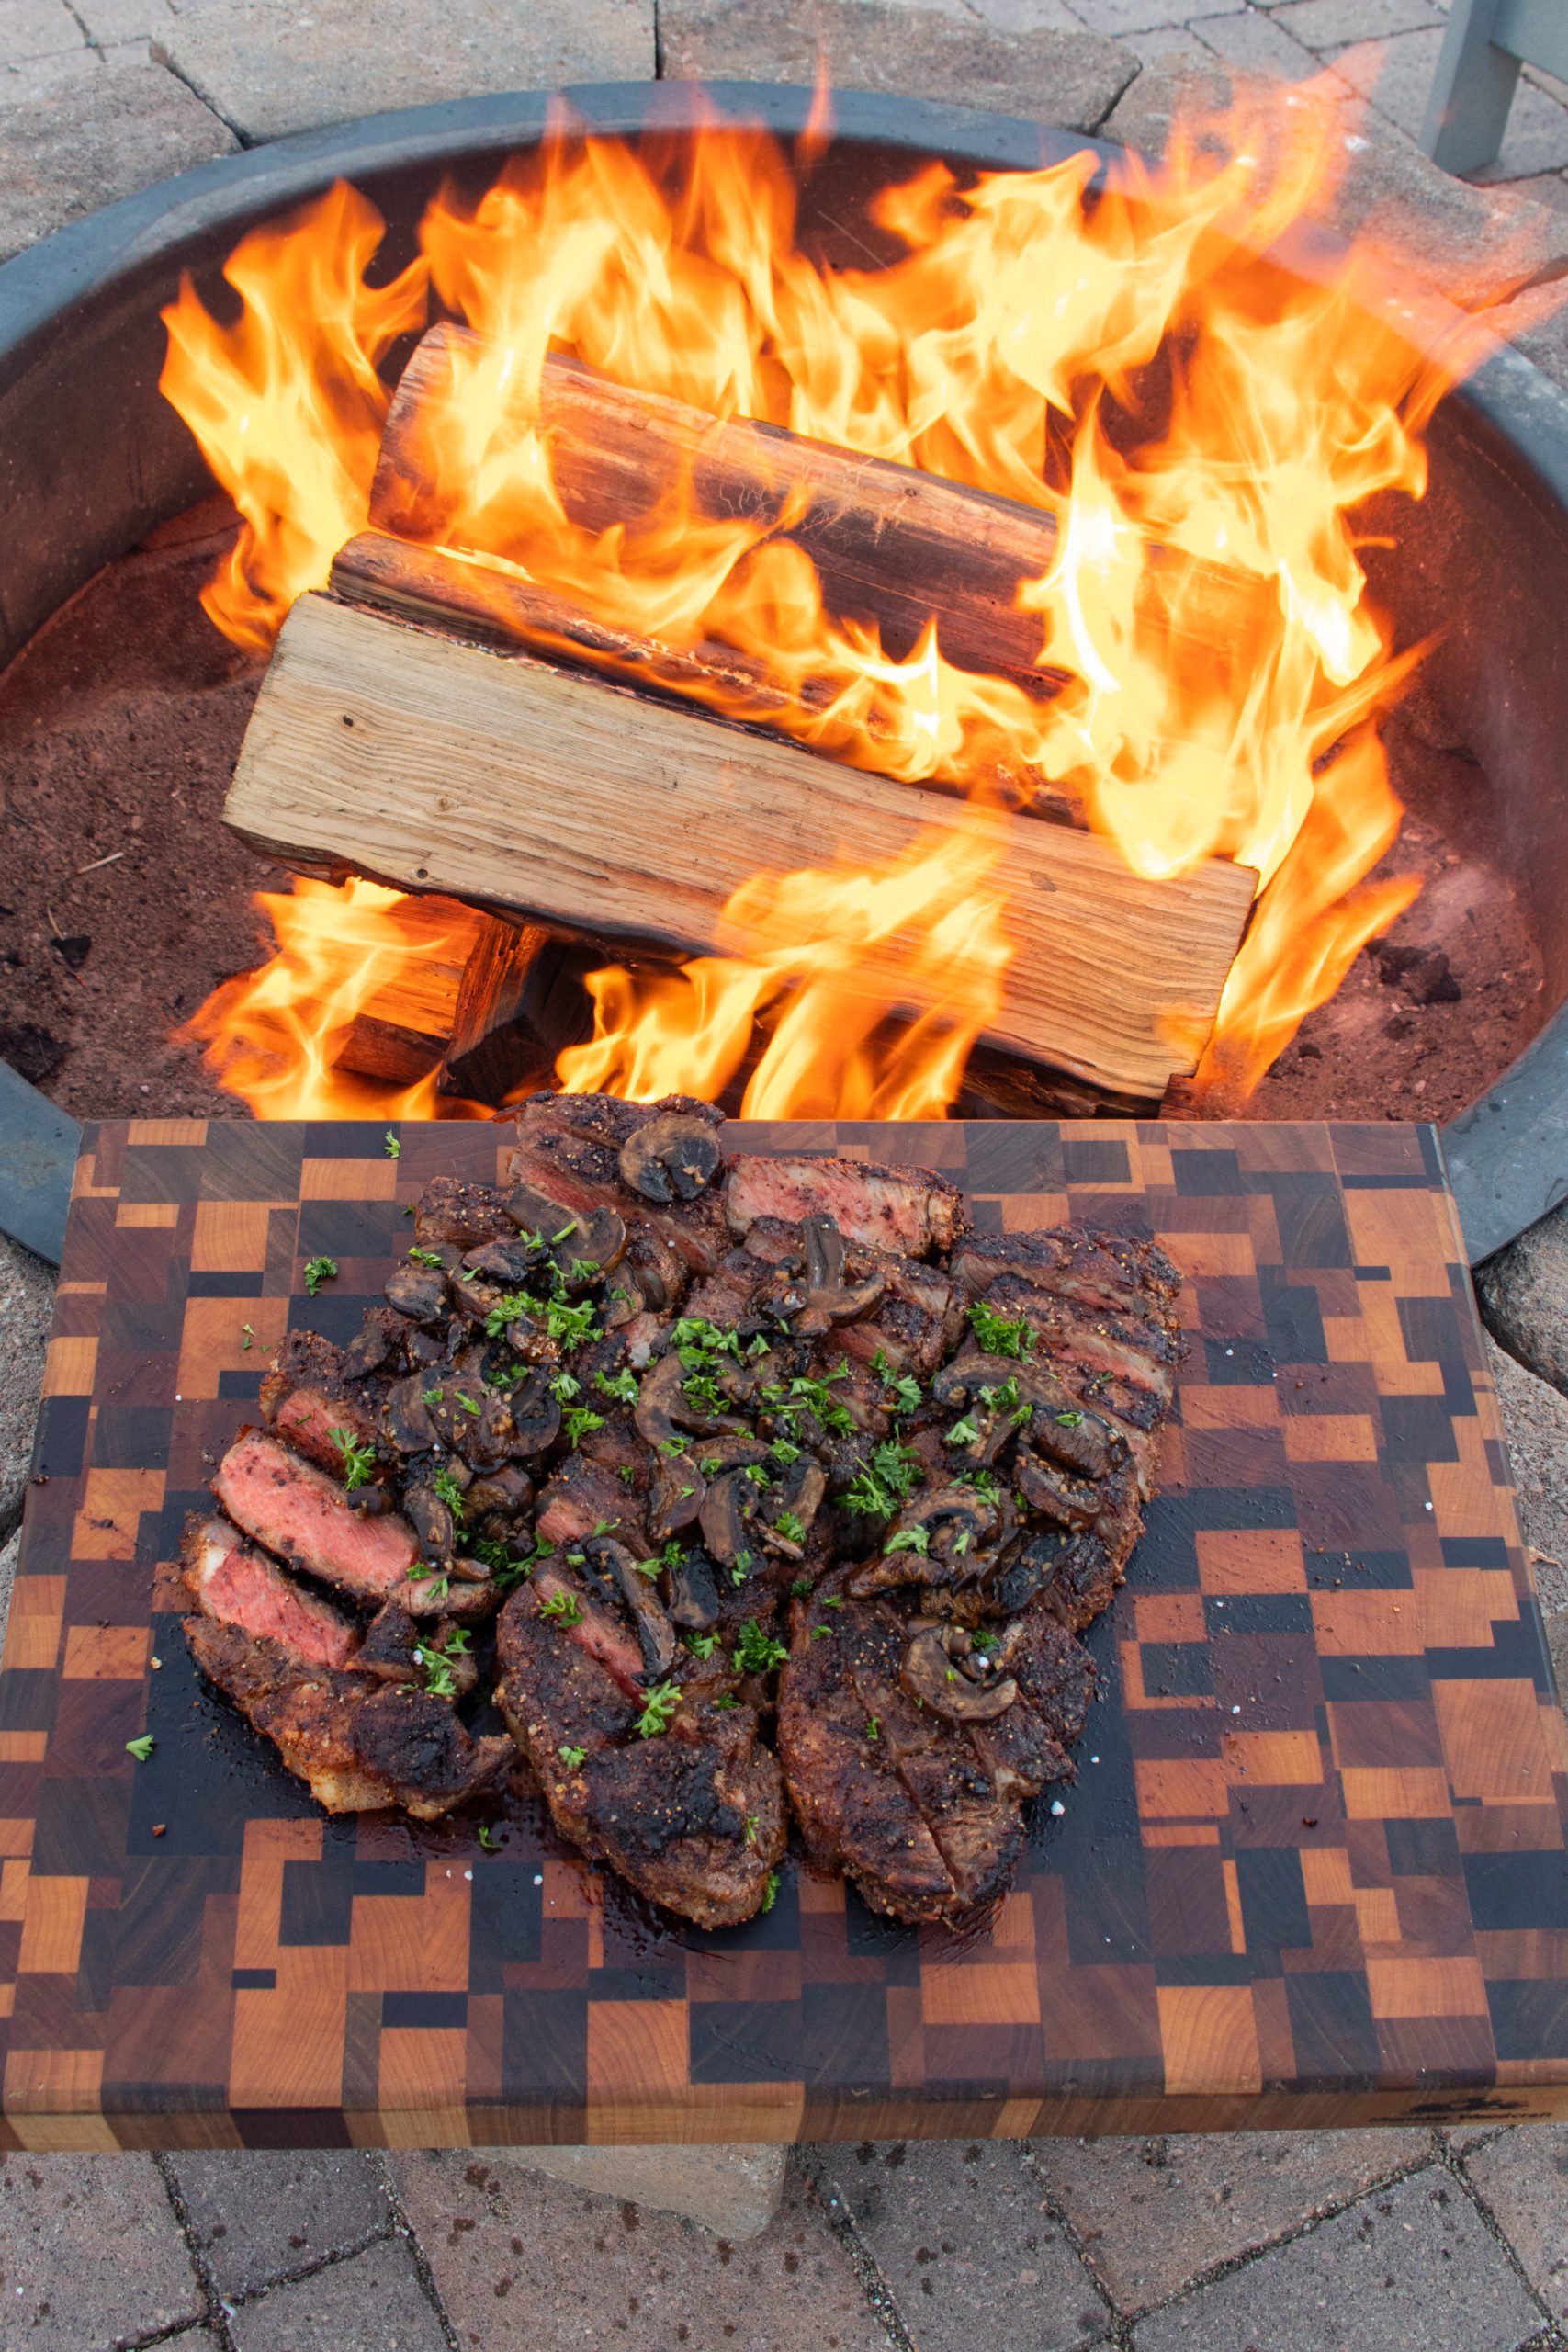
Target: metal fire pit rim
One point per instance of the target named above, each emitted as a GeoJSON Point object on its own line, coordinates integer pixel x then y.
{"type": "Point", "coordinates": [1507, 1154]}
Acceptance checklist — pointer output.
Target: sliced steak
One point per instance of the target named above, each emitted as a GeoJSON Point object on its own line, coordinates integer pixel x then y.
{"type": "Point", "coordinates": [924, 1813]}
{"type": "Point", "coordinates": [299, 1512]}
{"type": "Point", "coordinates": [577, 1150]}
{"type": "Point", "coordinates": [463, 1215]}
{"type": "Point", "coordinates": [907, 1209]}
{"type": "Point", "coordinates": [308, 1395]}
{"type": "Point", "coordinates": [1103, 1271]}
{"type": "Point", "coordinates": [357, 1743]}
{"type": "Point", "coordinates": [234, 1584]}
{"type": "Point", "coordinates": [692, 1815]}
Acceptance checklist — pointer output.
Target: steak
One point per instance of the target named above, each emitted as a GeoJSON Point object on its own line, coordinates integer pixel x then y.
{"type": "Point", "coordinates": [801, 1495]}
{"type": "Point", "coordinates": [906, 1209]}
{"type": "Point", "coordinates": [358, 1744]}
{"type": "Point", "coordinates": [234, 1584]}
{"type": "Point", "coordinates": [924, 1813]}
{"type": "Point", "coordinates": [692, 1813]}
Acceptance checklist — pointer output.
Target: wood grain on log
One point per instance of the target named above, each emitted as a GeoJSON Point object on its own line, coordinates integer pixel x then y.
{"type": "Point", "coordinates": [892, 546]}
{"type": "Point", "coordinates": [522, 1000]}
{"type": "Point", "coordinates": [382, 749]}
{"type": "Point", "coordinates": [400, 1032]}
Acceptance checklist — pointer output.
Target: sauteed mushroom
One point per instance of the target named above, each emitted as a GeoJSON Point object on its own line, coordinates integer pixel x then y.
{"type": "Point", "coordinates": [963, 1533]}
{"type": "Point", "coordinates": [405, 1416]}
{"type": "Point", "coordinates": [431, 1521]}
{"type": "Point", "coordinates": [662, 1406]}
{"type": "Point", "coordinates": [588, 1254]}
{"type": "Point", "coordinates": [509, 1263]}
{"type": "Point", "coordinates": [418, 1292]}
{"type": "Point", "coordinates": [669, 1158]}
{"type": "Point", "coordinates": [610, 1563]}
{"type": "Point", "coordinates": [826, 1295]}
{"type": "Point", "coordinates": [936, 1670]}
{"type": "Point", "coordinates": [535, 1416]}
{"type": "Point", "coordinates": [692, 1592]}
{"type": "Point", "coordinates": [722, 1518]}
{"type": "Point", "coordinates": [1072, 1502]}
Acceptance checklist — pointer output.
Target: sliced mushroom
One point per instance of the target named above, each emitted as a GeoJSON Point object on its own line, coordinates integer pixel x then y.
{"type": "Point", "coordinates": [802, 1492]}
{"type": "Point", "coordinates": [675, 1492]}
{"type": "Point", "coordinates": [418, 1292]}
{"type": "Point", "coordinates": [827, 1299]}
{"type": "Point", "coordinates": [692, 1592]}
{"type": "Point", "coordinates": [930, 1674]}
{"type": "Point", "coordinates": [963, 1532]}
{"type": "Point", "coordinates": [1026, 1574]}
{"type": "Point", "coordinates": [657, 1272]}
{"type": "Point", "coordinates": [663, 1407]}
{"type": "Point", "coordinates": [537, 1213]}
{"type": "Point", "coordinates": [535, 1416]}
{"type": "Point", "coordinates": [1046, 1487]}
{"type": "Point", "coordinates": [372, 1345]}
{"type": "Point", "coordinates": [598, 1244]}
{"type": "Point", "coordinates": [431, 1521]}
{"type": "Point", "coordinates": [824, 1247]}
{"type": "Point", "coordinates": [669, 1158]}
{"type": "Point", "coordinates": [510, 1264]}
{"type": "Point", "coordinates": [505, 1492]}
{"type": "Point", "coordinates": [1059, 1426]}
{"type": "Point", "coordinates": [723, 1520]}
{"type": "Point", "coordinates": [611, 1563]}
{"type": "Point", "coordinates": [405, 1416]}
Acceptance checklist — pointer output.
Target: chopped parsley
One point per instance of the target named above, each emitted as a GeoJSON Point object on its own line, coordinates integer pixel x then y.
{"type": "Point", "coordinates": [446, 1490]}
{"type": "Point", "coordinates": [659, 1711]}
{"type": "Point", "coordinates": [872, 1727]}
{"type": "Point", "coordinates": [997, 1336]}
{"type": "Point", "coordinates": [141, 1748]}
{"type": "Point", "coordinates": [790, 1526]}
{"type": "Point", "coordinates": [488, 1840]}
{"type": "Point", "coordinates": [771, 1891]}
{"type": "Point", "coordinates": [390, 1145]}
{"type": "Point", "coordinates": [909, 1539]}
{"type": "Point", "coordinates": [886, 1481]}
{"type": "Point", "coordinates": [1069, 1421]}
{"type": "Point", "coordinates": [424, 1256]}
{"type": "Point", "coordinates": [755, 1651]}
{"type": "Point", "coordinates": [621, 1385]}
{"type": "Point", "coordinates": [573, 1757]}
{"type": "Point", "coordinates": [563, 1607]}
{"type": "Point", "coordinates": [702, 1645]}
{"type": "Point", "coordinates": [469, 1403]}
{"type": "Point", "coordinates": [317, 1271]}
{"type": "Point", "coordinates": [358, 1460]}
{"type": "Point", "coordinates": [579, 1421]}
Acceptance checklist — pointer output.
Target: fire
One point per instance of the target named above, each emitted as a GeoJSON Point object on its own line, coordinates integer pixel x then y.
{"type": "Point", "coordinates": [1113, 353]}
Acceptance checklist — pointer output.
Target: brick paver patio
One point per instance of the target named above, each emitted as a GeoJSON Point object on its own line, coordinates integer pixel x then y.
{"type": "Point", "coordinates": [1328, 2241]}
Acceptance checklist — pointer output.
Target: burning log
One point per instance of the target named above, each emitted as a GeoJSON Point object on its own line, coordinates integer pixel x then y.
{"type": "Point", "coordinates": [385, 750]}
{"type": "Point", "coordinates": [400, 1032]}
{"type": "Point", "coordinates": [521, 1001]}
{"type": "Point", "coordinates": [891, 546]}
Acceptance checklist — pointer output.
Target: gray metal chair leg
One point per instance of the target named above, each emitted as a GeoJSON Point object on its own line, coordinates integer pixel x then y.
{"type": "Point", "coordinates": [1472, 89]}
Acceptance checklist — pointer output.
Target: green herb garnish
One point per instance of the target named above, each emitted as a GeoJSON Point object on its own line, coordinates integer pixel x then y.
{"type": "Point", "coordinates": [317, 1271]}
{"type": "Point", "coordinates": [563, 1607]}
{"type": "Point", "coordinates": [659, 1711]}
{"type": "Point", "coordinates": [141, 1748]}
{"type": "Point", "coordinates": [755, 1651]}
{"type": "Point", "coordinates": [1000, 1337]}
{"type": "Point", "coordinates": [358, 1460]}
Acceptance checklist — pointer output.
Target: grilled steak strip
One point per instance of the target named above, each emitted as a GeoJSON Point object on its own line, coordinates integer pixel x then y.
{"type": "Point", "coordinates": [357, 1743]}
{"type": "Point", "coordinates": [234, 1584]}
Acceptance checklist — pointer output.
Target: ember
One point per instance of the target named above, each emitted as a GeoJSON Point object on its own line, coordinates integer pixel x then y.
{"type": "Point", "coordinates": [1111, 356]}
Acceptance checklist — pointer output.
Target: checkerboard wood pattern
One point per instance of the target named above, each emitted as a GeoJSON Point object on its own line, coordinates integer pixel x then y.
{"type": "Point", "coordinates": [1312, 1869]}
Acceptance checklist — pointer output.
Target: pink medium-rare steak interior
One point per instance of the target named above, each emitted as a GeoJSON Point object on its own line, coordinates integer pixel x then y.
{"type": "Point", "coordinates": [231, 1581]}
{"type": "Point", "coordinates": [297, 1510]}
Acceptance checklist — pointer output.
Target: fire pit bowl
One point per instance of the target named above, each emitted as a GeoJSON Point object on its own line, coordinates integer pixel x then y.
{"type": "Point", "coordinates": [92, 459]}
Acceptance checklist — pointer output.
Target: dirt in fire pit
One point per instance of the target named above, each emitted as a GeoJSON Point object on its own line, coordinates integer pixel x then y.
{"type": "Point", "coordinates": [124, 901]}
{"type": "Point", "coordinates": [119, 724]}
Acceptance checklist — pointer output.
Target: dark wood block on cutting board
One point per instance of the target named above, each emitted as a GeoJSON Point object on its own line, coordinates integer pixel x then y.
{"type": "Point", "coordinates": [1313, 1870]}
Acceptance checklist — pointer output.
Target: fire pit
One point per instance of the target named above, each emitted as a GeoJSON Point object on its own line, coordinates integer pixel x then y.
{"type": "Point", "coordinates": [1474, 754]}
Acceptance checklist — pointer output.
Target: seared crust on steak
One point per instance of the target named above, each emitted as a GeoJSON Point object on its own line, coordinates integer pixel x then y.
{"type": "Point", "coordinates": [907, 1209]}
{"type": "Point", "coordinates": [694, 1816]}
{"type": "Point", "coordinates": [570, 1147]}
{"type": "Point", "coordinates": [358, 1744]}
{"type": "Point", "coordinates": [925, 1814]}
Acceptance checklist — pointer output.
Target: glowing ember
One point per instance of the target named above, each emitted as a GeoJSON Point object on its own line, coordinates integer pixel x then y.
{"type": "Point", "coordinates": [1116, 356]}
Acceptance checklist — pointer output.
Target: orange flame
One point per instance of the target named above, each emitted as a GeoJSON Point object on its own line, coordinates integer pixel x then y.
{"type": "Point", "coordinates": [1116, 354]}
